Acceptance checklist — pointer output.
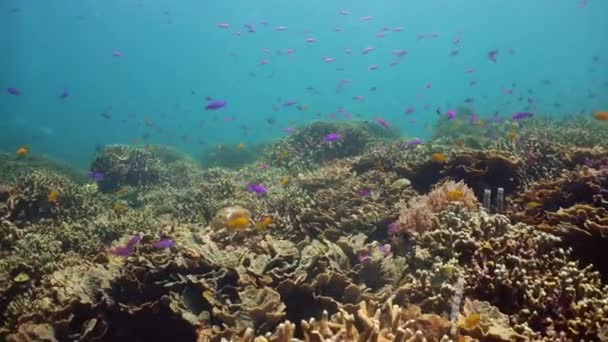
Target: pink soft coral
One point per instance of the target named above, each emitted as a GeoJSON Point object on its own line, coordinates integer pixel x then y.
{"type": "Point", "coordinates": [417, 216]}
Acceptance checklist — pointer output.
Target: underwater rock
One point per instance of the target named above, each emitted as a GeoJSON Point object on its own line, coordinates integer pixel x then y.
{"type": "Point", "coordinates": [5, 192]}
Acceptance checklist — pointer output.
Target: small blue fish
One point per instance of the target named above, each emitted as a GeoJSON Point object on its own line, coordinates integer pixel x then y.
{"type": "Point", "coordinates": [13, 91]}
{"type": "Point", "coordinates": [64, 94]}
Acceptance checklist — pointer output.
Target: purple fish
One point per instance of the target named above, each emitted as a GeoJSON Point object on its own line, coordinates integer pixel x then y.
{"type": "Point", "coordinates": [474, 118]}
{"type": "Point", "coordinates": [331, 137]}
{"type": "Point", "coordinates": [64, 94]}
{"type": "Point", "coordinates": [133, 241]}
{"type": "Point", "coordinates": [128, 248]}
{"type": "Point", "coordinates": [288, 129]}
{"type": "Point", "coordinates": [13, 91]}
{"type": "Point", "coordinates": [521, 116]}
{"type": "Point", "coordinates": [393, 228]}
{"type": "Point", "coordinates": [492, 55]}
{"type": "Point", "coordinates": [257, 188]}
{"type": "Point", "coordinates": [96, 176]}
{"type": "Point", "coordinates": [122, 251]}
{"type": "Point", "coordinates": [382, 122]}
{"type": "Point", "coordinates": [289, 103]}
{"type": "Point", "coordinates": [164, 243]}
{"type": "Point", "coordinates": [414, 142]}
{"type": "Point", "coordinates": [450, 114]}
{"type": "Point", "coordinates": [216, 104]}
{"type": "Point", "coordinates": [363, 255]}
{"type": "Point", "coordinates": [364, 192]}
{"type": "Point", "coordinates": [385, 249]}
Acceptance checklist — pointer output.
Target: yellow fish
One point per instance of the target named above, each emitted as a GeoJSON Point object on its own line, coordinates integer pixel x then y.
{"type": "Point", "coordinates": [284, 181]}
{"type": "Point", "coordinates": [470, 321]}
{"type": "Point", "coordinates": [455, 195]}
{"type": "Point", "coordinates": [438, 157]}
{"type": "Point", "coordinates": [533, 205]}
{"type": "Point", "coordinates": [264, 223]}
{"type": "Point", "coordinates": [240, 146]}
{"type": "Point", "coordinates": [53, 197]}
{"type": "Point", "coordinates": [22, 151]}
{"type": "Point", "coordinates": [238, 223]}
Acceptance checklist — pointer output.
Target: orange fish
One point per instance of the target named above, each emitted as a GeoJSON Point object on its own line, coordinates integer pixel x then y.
{"type": "Point", "coordinates": [53, 197]}
{"type": "Point", "coordinates": [264, 222]}
{"type": "Point", "coordinates": [284, 181]}
{"type": "Point", "coordinates": [602, 116]}
{"type": "Point", "coordinates": [438, 157]}
{"type": "Point", "coordinates": [22, 151]}
{"type": "Point", "coordinates": [121, 191]}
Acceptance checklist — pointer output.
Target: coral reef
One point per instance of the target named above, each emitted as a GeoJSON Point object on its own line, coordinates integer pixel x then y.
{"type": "Point", "coordinates": [162, 249]}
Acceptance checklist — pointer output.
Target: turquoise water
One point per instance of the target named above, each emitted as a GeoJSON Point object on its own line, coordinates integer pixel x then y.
{"type": "Point", "coordinates": [552, 55]}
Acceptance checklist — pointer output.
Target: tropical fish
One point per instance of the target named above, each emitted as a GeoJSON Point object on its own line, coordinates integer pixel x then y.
{"type": "Point", "coordinates": [364, 192]}
{"type": "Point", "coordinates": [284, 181]}
{"type": "Point", "coordinates": [164, 243]}
{"type": "Point", "coordinates": [455, 195]}
{"type": "Point", "coordinates": [492, 55]}
{"type": "Point", "coordinates": [128, 248]}
{"type": "Point", "coordinates": [96, 176]}
{"type": "Point", "coordinates": [601, 116]}
{"type": "Point", "coordinates": [215, 104]}
{"type": "Point", "coordinates": [257, 188]}
{"type": "Point", "coordinates": [414, 142]}
{"type": "Point", "coordinates": [533, 205]}
{"type": "Point", "coordinates": [331, 137]}
{"type": "Point", "coordinates": [385, 249]}
{"type": "Point", "coordinates": [53, 197]}
{"type": "Point", "coordinates": [238, 222]}
{"type": "Point", "coordinates": [13, 91]}
{"type": "Point", "coordinates": [521, 116]}
{"type": "Point", "coordinates": [393, 228]}
{"type": "Point", "coordinates": [450, 114]}
{"type": "Point", "coordinates": [22, 151]}
{"type": "Point", "coordinates": [380, 121]}
{"type": "Point", "coordinates": [438, 157]}
{"type": "Point", "coordinates": [264, 222]}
